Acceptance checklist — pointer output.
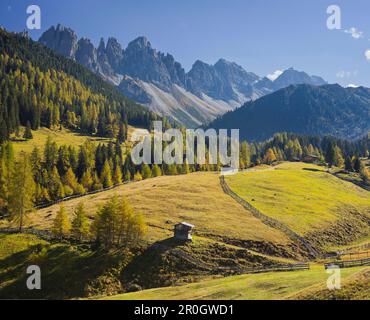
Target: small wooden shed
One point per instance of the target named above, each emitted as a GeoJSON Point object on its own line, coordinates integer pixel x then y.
{"type": "Point", "coordinates": [183, 230]}
{"type": "Point", "coordinates": [311, 158]}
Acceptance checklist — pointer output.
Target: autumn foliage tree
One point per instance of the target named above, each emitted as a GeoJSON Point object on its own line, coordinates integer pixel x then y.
{"type": "Point", "coordinates": [270, 156]}
{"type": "Point", "coordinates": [22, 191]}
{"type": "Point", "coordinates": [80, 223]}
{"type": "Point", "coordinates": [61, 225]}
{"type": "Point", "coordinates": [117, 224]}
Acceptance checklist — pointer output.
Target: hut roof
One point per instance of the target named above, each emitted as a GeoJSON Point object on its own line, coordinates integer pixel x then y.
{"type": "Point", "coordinates": [186, 224]}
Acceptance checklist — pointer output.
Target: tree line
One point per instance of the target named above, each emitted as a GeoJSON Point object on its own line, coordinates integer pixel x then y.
{"type": "Point", "coordinates": [35, 98]}
{"type": "Point", "coordinates": [56, 172]}
{"type": "Point", "coordinates": [115, 224]}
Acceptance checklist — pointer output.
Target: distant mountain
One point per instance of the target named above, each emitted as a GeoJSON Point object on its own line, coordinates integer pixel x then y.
{"type": "Point", "coordinates": [305, 109]}
{"type": "Point", "coordinates": [158, 81]}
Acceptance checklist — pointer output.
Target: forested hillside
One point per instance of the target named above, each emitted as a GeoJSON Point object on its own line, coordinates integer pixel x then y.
{"type": "Point", "coordinates": [43, 89]}
{"type": "Point", "coordinates": [304, 109]}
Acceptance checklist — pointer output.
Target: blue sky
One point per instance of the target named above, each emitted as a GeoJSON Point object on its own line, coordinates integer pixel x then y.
{"type": "Point", "coordinates": [261, 35]}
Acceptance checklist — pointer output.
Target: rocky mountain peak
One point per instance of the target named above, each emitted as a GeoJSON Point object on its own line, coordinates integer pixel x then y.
{"type": "Point", "coordinates": [86, 54]}
{"type": "Point", "coordinates": [292, 76]}
{"type": "Point", "coordinates": [115, 54]}
{"type": "Point", "coordinates": [60, 39]}
{"type": "Point", "coordinates": [139, 43]}
{"type": "Point", "coordinates": [101, 47]}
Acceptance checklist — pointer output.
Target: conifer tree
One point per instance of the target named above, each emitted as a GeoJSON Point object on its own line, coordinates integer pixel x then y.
{"type": "Point", "coordinates": [80, 223]}
{"type": "Point", "coordinates": [121, 137]}
{"type": "Point", "coordinates": [117, 177]}
{"type": "Point", "coordinates": [156, 171]}
{"type": "Point", "coordinates": [97, 185]}
{"type": "Point", "coordinates": [357, 164]}
{"type": "Point", "coordinates": [70, 180]}
{"type": "Point", "coordinates": [348, 164]}
{"type": "Point", "coordinates": [28, 133]}
{"type": "Point", "coordinates": [338, 157]}
{"type": "Point", "coordinates": [87, 180]}
{"type": "Point", "coordinates": [138, 176]}
{"type": "Point", "coordinates": [22, 191]}
{"type": "Point", "coordinates": [365, 174]}
{"type": "Point", "coordinates": [6, 173]}
{"type": "Point", "coordinates": [270, 156]}
{"type": "Point", "coordinates": [146, 172]}
{"type": "Point", "coordinates": [117, 224]}
{"type": "Point", "coordinates": [61, 226]}
{"type": "Point", "coordinates": [106, 175]}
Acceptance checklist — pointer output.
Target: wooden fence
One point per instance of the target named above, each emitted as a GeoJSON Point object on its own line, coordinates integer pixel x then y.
{"type": "Point", "coordinates": [288, 267]}
{"type": "Point", "coordinates": [76, 196]}
{"type": "Point", "coordinates": [43, 234]}
{"type": "Point", "coordinates": [267, 220]}
{"type": "Point", "coordinates": [348, 263]}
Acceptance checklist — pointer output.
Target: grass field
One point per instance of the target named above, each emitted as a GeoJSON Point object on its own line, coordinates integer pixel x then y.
{"type": "Point", "coordinates": [67, 271]}
{"type": "Point", "coordinates": [354, 287]}
{"type": "Point", "coordinates": [11, 245]}
{"type": "Point", "coordinates": [227, 239]}
{"type": "Point", "coordinates": [61, 137]}
{"type": "Point", "coordinates": [196, 198]}
{"type": "Point", "coordinates": [302, 196]}
{"type": "Point", "coordinates": [355, 245]}
{"type": "Point", "coordinates": [266, 286]}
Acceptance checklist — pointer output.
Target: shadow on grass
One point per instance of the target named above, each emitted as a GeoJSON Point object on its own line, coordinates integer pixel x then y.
{"type": "Point", "coordinates": [312, 169]}
{"type": "Point", "coordinates": [153, 267]}
{"type": "Point", "coordinates": [66, 271]}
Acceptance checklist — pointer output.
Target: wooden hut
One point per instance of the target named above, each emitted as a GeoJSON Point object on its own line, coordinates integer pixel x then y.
{"type": "Point", "coordinates": [183, 230]}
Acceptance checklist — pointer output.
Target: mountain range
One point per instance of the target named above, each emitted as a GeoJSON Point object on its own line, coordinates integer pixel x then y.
{"type": "Point", "coordinates": [159, 82]}
{"type": "Point", "coordinates": [305, 109]}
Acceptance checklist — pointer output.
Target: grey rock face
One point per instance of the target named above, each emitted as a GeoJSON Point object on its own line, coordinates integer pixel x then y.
{"type": "Point", "coordinates": [105, 68]}
{"type": "Point", "coordinates": [224, 81]}
{"type": "Point", "coordinates": [86, 54]}
{"type": "Point", "coordinates": [114, 54]}
{"type": "Point", "coordinates": [133, 90]}
{"type": "Point", "coordinates": [145, 63]}
{"type": "Point", "coordinates": [291, 76]}
{"type": "Point", "coordinates": [62, 40]}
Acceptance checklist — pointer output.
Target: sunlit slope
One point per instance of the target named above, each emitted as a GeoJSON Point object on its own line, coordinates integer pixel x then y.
{"type": "Point", "coordinates": [196, 198]}
{"type": "Point", "coordinates": [265, 286]}
{"type": "Point", "coordinates": [302, 196]}
{"type": "Point", "coordinates": [61, 136]}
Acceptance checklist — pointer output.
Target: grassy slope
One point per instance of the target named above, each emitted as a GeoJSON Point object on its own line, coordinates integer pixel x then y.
{"type": "Point", "coordinates": [11, 245]}
{"type": "Point", "coordinates": [273, 285]}
{"type": "Point", "coordinates": [67, 271]}
{"type": "Point", "coordinates": [196, 198]}
{"type": "Point", "coordinates": [354, 287]}
{"type": "Point", "coordinates": [72, 271]}
{"type": "Point", "coordinates": [304, 200]}
{"type": "Point", "coordinates": [61, 137]}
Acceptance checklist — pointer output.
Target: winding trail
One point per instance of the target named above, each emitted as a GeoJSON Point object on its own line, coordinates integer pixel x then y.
{"type": "Point", "coordinates": [268, 220]}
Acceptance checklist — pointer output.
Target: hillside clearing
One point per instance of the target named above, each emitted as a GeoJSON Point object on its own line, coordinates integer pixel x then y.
{"type": "Point", "coordinates": [196, 198]}
{"type": "Point", "coordinates": [265, 286]}
{"type": "Point", "coordinates": [302, 196]}
{"type": "Point", "coordinates": [60, 137]}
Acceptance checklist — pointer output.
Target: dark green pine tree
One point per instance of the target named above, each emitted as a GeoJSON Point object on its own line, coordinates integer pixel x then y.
{"type": "Point", "coordinates": [357, 164]}
{"type": "Point", "coordinates": [348, 164]}
{"type": "Point", "coordinates": [330, 154]}
{"type": "Point", "coordinates": [4, 136]}
{"type": "Point", "coordinates": [28, 133]}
